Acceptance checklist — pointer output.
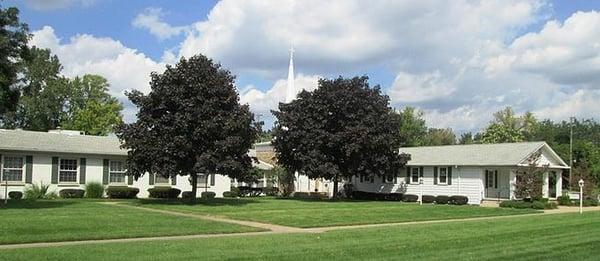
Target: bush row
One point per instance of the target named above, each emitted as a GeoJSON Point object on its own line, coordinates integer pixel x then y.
{"type": "Point", "coordinates": [566, 201]}
{"type": "Point", "coordinates": [520, 204]}
{"type": "Point", "coordinates": [455, 200]}
{"type": "Point", "coordinates": [163, 192]}
{"type": "Point", "coordinates": [310, 195]}
{"type": "Point", "coordinates": [122, 192]}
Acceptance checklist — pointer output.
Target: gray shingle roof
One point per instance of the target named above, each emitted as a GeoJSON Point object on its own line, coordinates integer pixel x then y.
{"type": "Point", "coordinates": [35, 141]}
{"type": "Point", "coordinates": [503, 154]}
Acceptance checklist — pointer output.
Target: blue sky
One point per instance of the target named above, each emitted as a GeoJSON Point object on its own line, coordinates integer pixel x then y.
{"type": "Point", "coordinates": [458, 61]}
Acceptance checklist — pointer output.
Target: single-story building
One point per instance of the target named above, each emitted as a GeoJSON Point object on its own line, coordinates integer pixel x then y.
{"type": "Point", "coordinates": [478, 171]}
{"type": "Point", "coordinates": [68, 159]}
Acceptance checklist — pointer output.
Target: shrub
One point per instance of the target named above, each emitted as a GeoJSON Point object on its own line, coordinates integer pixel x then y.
{"type": "Point", "coordinates": [459, 200]}
{"type": "Point", "coordinates": [590, 202]}
{"type": "Point", "coordinates": [186, 194]}
{"type": "Point", "coordinates": [271, 191]}
{"type": "Point", "coordinates": [94, 190]}
{"type": "Point", "coordinates": [564, 200]}
{"type": "Point", "coordinates": [516, 204]}
{"type": "Point", "coordinates": [229, 194]}
{"type": "Point", "coordinates": [310, 195]}
{"type": "Point", "coordinates": [163, 192]}
{"type": "Point", "coordinates": [301, 195]}
{"type": "Point", "coordinates": [363, 195]}
{"type": "Point", "coordinates": [15, 195]}
{"type": "Point", "coordinates": [538, 205]}
{"type": "Point", "coordinates": [428, 199]}
{"type": "Point", "coordinates": [247, 191]}
{"type": "Point", "coordinates": [410, 198]}
{"type": "Point", "coordinates": [442, 200]}
{"type": "Point", "coordinates": [550, 205]}
{"type": "Point", "coordinates": [235, 191]}
{"type": "Point", "coordinates": [71, 193]}
{"type": "Point", "coordinates": [39, 192]}
{"type": "Point", "coordinates": [122, 192]}
{"type": "Point", "coordinates": [207, 194]}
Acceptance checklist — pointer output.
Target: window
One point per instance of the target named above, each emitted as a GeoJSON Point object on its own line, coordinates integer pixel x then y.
{"type": "Point", "coordinates": [389, 178]}
{"type": "Point", "coordinates": [158, 179]}
{"type": "Point", "coordinates": [490, 178]}
{"type": "Point", "coordinates": [67, 171]}
{"type": "Point", "coordinates": [202, 180]}
{"type": "Point", "coordinates": [414, 177]}
{"type": "Point", "coordinates": [12, 169]}
{"type": "Point", "coordinates": [443, 176]}
{"type": "Point", "coordinates": [117, 172]}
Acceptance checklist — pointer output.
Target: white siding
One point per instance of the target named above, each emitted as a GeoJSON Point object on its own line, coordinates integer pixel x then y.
{"type": "Point", "coordinates": [466, 181]}
{"type": "Point", "coordinates": [42, 173]}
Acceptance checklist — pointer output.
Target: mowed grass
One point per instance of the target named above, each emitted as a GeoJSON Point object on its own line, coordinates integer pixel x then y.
{"type": "Point", "coordinates": [61, 220]}
{"type": "Point", "coordinates": [322, 213]}
{"type": "Point", "coordinates": [546, 237]}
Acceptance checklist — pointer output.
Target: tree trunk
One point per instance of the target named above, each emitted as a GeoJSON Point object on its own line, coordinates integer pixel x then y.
{"type": "Point", "coordinates": [194, 182]}
{"type": "Point", "coordinates": [335, 186]}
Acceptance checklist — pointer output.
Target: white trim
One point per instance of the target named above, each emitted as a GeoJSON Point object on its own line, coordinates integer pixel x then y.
{"type": "Point", "coordinates": [76, 174]}
{"type": "Point", "coordinates": [412, 172]}
{"type": "Point", "coordinates": [439, 175]}
{"type": "Point", "coordinates": [110, 173]}
{"type": "Point", "coordinates": [23, 171]}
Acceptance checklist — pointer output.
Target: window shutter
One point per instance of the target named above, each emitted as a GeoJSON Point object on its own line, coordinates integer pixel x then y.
{"type": "Point", "coordinates": [449, 176]}
{"type": "Point", "coordinates": [150, 179]}
{"type": "Point", "coordinates": [129, 179]}
{"type": "Point", "coordinates": [28, 169]}
{"type": "Point", "coordinates": [496, 179]}
{"type": "Point", "coordinates": [407, 175]}
{"type": "Point", "coordinates": [383, 178]}
{"type": "Point", "coordinates": [435, 175]}
{"type": "Point", "coordinates": [420, 172]}
{"type": "Point", "coordinates": [212, 179]}
{"type": "Point", "coordinates": [395, 178]}
{"type": "Point", "coordinates": [362, 178]}
{"type": "Point", "coordinates": [54, 178]}
{"type": "Point", "coordinates": [486, 178]}
{"type": "Point", "coordinates": [174, 180]}
{"type": "Point", "coordinates": [82, 165]}
{"type": "Point", "coordinates": [372, 177]}
{"type": "Point", "coordinates": [105, 167]}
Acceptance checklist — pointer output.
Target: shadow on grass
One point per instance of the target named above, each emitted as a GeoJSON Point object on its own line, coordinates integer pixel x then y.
{"type": "Point", "coordinates": [35, 204]}
{"type": "Point", "coordinates": [204, 202]}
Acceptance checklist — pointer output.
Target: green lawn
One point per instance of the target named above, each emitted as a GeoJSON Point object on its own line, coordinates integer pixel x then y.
{"type": "Point", "coordinates": [548, 237]}
{"type": "Point", "coordinates": [59, 220]}
{"type": "Point", "coordinates": [315, 213]}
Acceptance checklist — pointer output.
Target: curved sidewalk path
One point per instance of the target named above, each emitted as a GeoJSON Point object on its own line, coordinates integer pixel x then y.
{"type": "Point", "coordinates": [271, 228]}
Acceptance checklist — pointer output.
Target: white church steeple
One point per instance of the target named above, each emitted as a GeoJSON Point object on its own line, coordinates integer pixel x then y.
{"type": "Point", "coordinates": [291, 92]}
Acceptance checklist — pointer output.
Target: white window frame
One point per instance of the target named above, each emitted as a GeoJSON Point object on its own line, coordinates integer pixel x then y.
{"type": "Point", "coordinates": [110, 173]}
{"type": "Point", "coordinates": [76, 171]}
{"type": "Point", "coordinates": [491, 181]}
{"type": "Point", "coordinates": [412, 175]}
{"type": "Point", "coordinates": [156, 176]}
{"type": "Point", "coordinates": [22, 169]}
{"type": "Point", "coordinates": [439, 176]}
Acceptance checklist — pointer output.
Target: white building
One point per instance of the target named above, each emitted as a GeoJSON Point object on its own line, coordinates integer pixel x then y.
{"type": "Point", "coordinates": [67, 159]}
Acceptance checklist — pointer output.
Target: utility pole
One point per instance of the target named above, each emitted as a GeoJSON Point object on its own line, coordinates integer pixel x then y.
{"type": "Point", "coordinates": [571, 152]}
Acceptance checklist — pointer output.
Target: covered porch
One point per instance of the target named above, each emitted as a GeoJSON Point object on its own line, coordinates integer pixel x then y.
{"type": "Point", "coordinates": [500, 183]}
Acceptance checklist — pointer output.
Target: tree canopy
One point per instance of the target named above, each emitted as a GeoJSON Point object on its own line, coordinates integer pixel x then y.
{"type": "Point", "coordinates": [191, 122]}
{"type": "Point", "coordinates": [412, 128]}
{"type": "Point", "coordinates": [341, 129]}
{"type": "Point", "coordinates": [508, 127]}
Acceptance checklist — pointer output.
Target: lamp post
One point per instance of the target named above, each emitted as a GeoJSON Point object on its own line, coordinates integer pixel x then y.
{"type": "Point", "coordinates": [581, 183]}
{"type": "Point", "coordinates": [421, 191]}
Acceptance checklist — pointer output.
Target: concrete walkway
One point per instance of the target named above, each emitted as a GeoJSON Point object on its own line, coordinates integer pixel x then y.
{"type": "Point", "coordinates": [271, 228]}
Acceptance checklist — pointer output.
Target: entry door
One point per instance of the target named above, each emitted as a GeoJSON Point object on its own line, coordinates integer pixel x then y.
{"type": "Point", "coordinates": [491, 183]}
{"type": "Point", "coordinates": [552, 184]}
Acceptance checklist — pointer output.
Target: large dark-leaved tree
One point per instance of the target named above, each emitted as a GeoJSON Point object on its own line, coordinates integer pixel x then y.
{"type": "Point", "coordinates": [191, 122]}
{"type": "Point", "coordinates": [341, 129]}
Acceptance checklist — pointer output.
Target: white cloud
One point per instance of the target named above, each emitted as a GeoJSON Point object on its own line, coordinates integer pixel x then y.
{"type": "Point", "coordinates": [48, 5]}
{"type": "Point", "coordinates": [419, 88]}
{"type": "Point", "coordinates": [123, 67]}
{"type": "Point", "coordinates": [264, 101]}
{"type": "Point", "coordinates": [151, 19]}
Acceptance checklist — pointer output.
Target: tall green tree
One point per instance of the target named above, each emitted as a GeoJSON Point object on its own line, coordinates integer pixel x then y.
{"type": "Point", "coordinates": [191, 122]}
{"type": "Point", "coordinates": [91, 108]}
{"type": "Point", "coordinates": [438, 137]}
{"type": "Point", "coordinates": [342, 129]}
{"type": "Point", "coordinates": [466, 138]}
{"type": "Point", "coordinates": [412, 127]}
{"type": "Point", "coordinates": [508, 127]}
{"type": "Point", "coordinates": [13, 51]}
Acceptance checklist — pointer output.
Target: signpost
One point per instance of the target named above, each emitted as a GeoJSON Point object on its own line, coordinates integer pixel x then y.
{"type": "Point", "coordinates": [421, 191]}
{"type": "Point", "coordinates": [581, 183]}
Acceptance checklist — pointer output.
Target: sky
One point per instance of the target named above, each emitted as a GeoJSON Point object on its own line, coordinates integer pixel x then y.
{"type": "Point", "coordinates": [457, 60]}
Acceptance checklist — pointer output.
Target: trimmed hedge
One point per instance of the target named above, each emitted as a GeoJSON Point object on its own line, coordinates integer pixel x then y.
{"type": "Point", "coordinates": [428, 199]}
{"type": "Point", "coordinates": [246, 191]}
{"type": "Point", "coordinates": [459, 200]}
{"type": "Point", "coordinates": [271, 191]}
{"type": "Point", "coordinates": [564, 200]}
{"type": "Point", "coordinates": [310, 195]}
{"type": "Point", "coordinates": [442, 200]}
{"type": "Point", "coordinates": [524, 204]}
{"type": "Point", "coordinates": [410, 198]}
{"type": "Point", "coordinates": [15, 195]}
{"type": "Point", "coordinates": [186, 194]}
{"type": "Point", "coordinates": [94, 190]}
{"type": "Point", "coordinates": [590, 202]}
{"type": "Point", "coordinates": [122, 192]}
{"type": "Point", "coordinates": [71, 193]}
{"type": "Point", "coordinates": [363, 195]}
{"type": "Point", "coordinates": [229, 194]}
{"type": "Point", "coordinates": [207, 194]}
{"type": "Point", "coordinates": [164, 192]}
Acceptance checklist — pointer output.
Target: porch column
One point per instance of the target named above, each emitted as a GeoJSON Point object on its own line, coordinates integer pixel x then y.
{"type": "Point", "coordinates": [559, 182]}
{"type": "Point", "coordinates": [512, 184]}
{"type": "Point", "coordinates": [545, 186]}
